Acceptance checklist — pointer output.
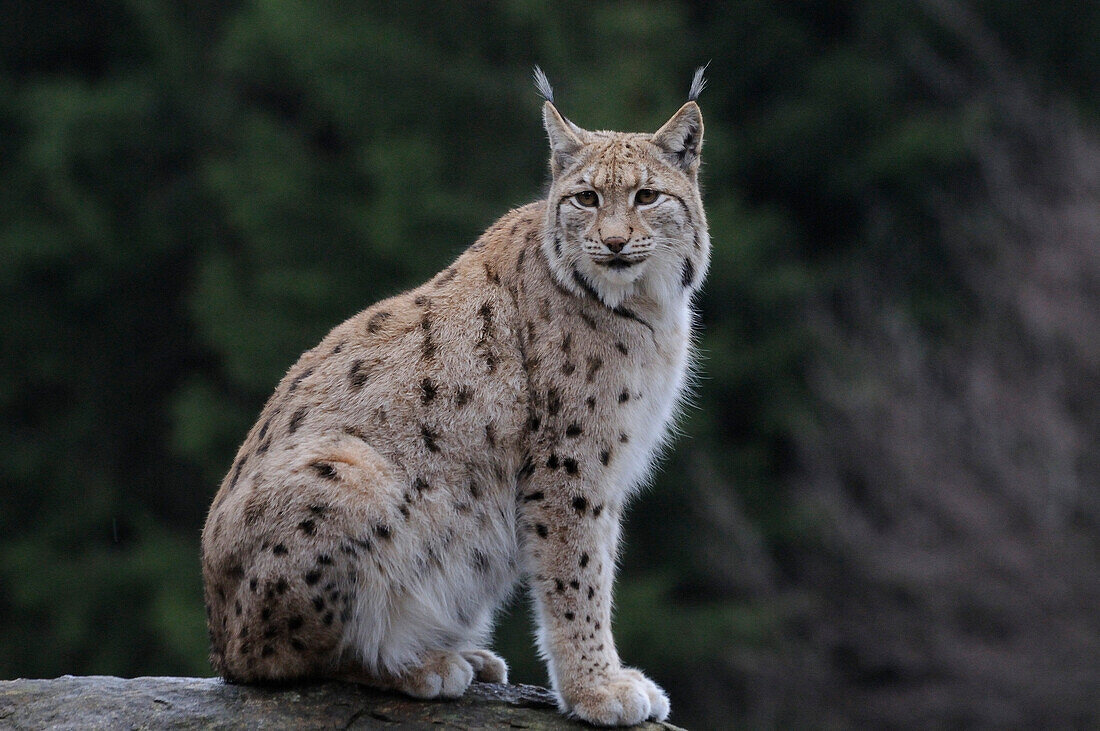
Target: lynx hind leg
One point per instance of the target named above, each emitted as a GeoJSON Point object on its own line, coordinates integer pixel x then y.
{"type": "Point", "coordinates": [306, 530]}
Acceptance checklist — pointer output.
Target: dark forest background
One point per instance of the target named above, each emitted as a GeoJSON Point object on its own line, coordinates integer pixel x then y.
{"type": "Point", "coordinates": [884, 507]}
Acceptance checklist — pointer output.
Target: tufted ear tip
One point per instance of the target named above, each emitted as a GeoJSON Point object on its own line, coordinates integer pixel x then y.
{"type": "Point", "coordinates": [698, 83]}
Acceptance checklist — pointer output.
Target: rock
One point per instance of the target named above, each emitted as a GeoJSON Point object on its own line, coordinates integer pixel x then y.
{"type": "Point", "coordinates": [103, 702]}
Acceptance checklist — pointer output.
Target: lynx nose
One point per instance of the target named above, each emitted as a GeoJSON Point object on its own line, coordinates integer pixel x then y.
{"type": "Point", "coordinates": [615, 243]}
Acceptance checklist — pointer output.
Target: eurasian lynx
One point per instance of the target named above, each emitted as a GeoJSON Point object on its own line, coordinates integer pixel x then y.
{"type": "Point", "coordinates": [486, 426]}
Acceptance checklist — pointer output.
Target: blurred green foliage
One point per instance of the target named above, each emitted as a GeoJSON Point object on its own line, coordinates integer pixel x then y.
{"type": "Point", "coordinates": [194, 193]}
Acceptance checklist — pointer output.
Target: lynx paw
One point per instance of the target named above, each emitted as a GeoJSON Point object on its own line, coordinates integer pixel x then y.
{"type": "Point", "coordinates": [488, 666]}
{"type": "Point", "coordinates": [625, 698]}
{"type": "Point", "coordinates": [442, 675]}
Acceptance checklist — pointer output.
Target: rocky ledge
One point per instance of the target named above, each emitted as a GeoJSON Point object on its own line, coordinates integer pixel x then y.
{"type": "Point", "coordinates": [102, 702]}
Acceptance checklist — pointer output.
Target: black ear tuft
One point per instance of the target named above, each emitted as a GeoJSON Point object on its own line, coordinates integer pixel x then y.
{"type": "Point", "coordinates": [543, 85]}
{"type": "Point", "coordinates": [698, 83]}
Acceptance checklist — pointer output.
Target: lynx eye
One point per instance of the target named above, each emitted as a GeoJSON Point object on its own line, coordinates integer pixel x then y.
{"type": "Point", "coordinates": [645, 196]}
{"type": "Point", "coordinates": [587, 198]}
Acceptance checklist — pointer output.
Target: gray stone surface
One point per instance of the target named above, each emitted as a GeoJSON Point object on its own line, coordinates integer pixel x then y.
{"type": "Point", "coordinates": [103, 702]}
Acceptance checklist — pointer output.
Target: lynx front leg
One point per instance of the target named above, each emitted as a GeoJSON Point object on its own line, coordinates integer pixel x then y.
{"type": "Point", "coordinates": [570, 538]}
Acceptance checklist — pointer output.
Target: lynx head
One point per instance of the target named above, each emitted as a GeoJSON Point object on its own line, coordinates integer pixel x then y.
{"type": "Point", "coordinates": [624, 215]}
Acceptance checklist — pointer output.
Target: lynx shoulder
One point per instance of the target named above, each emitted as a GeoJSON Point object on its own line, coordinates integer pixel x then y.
{"type": "Point", "coordinates": [483, 429]}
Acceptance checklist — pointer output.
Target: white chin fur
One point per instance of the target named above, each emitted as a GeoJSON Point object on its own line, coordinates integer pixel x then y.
{"type": "Point", "coordinates": [614, 285]}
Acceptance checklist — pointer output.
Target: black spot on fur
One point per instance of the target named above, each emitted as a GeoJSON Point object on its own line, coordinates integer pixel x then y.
{"type": "Point", "coordinates": [589, 320]}
{"type": "Point", "coordinates": [624, 437]}
{"type": "Point", "coordinates": [296, 419]}
{"type": "Point", "coordinates": [267, 651]}
{"type": "Point", "coordinates": [318, 603]}
{"type": "Point", "coordinates": [324, 559]}
{"type": "Point", "coordinates": [521, 257]}
{"type": "Point", "coordinates": [573, 430]}
{"type": "Point", "coordinates": [591, 591]}
{"type": "Point", "coordinates": [559, 586]}
{"type": "Point", "coordinates": [299, 378]}
{"type": "Point", "coordinates": [594, 365]}
{"type": "Point", "coordinates": [621, 347]}
{"type": "Point", "coordinates": [237, 472]}
{"type": "Point", "coordinates": [270, 633]}
{"type": "Point", "coordinates": [294, 623]}
{"type": "Point", "coordinates": [429, 438]}
{"type": "Point", "coordinates": [281, 586]}
{"type": "Point", "coordinates": [327, 619]}
{"type": "Point", "coordinates": [553, 402]}
{"type": "Point", "coordinates": [580, 504]}
{"type": "Point", "coordinates": [325, 470]}
{"type": "Point", "coordinates": [570, 465]}
{"type": "Point", "coordinates": [462, 396]}
{"type": "Point", "coordinates": [252, 584]}
{"type": "Point", "coordinates": [485, 312]}
{"type": "Point", "coordinates": [552, 461]}
{"type": "Point", "coordinates": [491, 274]}
{"type": "Point", "coordinates": [339, 347]}
{"type": "Point", "coordinates": [265, 614]}
{"type": "Point", "coordinates": [429, 388]}
{"type": "Point", "coordinates": [574, 584]}
{"type": "Point", "coordinates": [356, 432]}
{"type": "Point", "coordinates": [374, 324]}
{"type": "Point", "coordinates": [383, 531]}
{"type": "Point", "coordinates": [533, 496]}
{"type": "Point", "coordinates": [585, 285]}
{"type": "Point", "coordinates": [475, 491]}
{"type": "Point", "coordinates": [631, 315]}
{"type": "Point", "coordinates": [687, 273]}
{"type": "Point", "coordinates": [624, 397]}
{"type": "Point", "coordinates": [297, 644]}
{"type": "Point", "coordinates": [596, 510]}
{"type": "Point", "coordinates": [590, 402]}
{"type": "Point", "coordinates": [570, 616]}
{"type": "Point", "coordinates": [584, 560]}
{"type": "Point", "coordinates": [605, 457]}
{"type": "Point", "coordinates": [312, 577]}
{"type": "Point", "coordinates": [357, 376]}
{"type": "Point", "coordinates": [279, 550]}
{"type": "Point", "coordinates": [542, 530]}
{"type": "Point", "coordinates": [567, 343]}
{"type": "Point", "coordinates": [567, 368]}
{"type": "Point", "coordinates": [420, 485]}
{"type": "Point", "coordinates": [308, 526]}
{"type": "Point", "coordinates": [490, 435]}
{"type": "Point", "coordinates": [428, 347]}
{"type": "Point", "coordinates": [447, 275]}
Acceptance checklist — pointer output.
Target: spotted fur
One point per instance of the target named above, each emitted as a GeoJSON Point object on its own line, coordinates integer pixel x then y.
{"type": "Point", "coordinates": [486, 427]}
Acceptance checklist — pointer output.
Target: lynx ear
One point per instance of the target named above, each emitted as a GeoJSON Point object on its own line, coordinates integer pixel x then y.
{"type": "Point", "coordinates": [682, 137]}
{"type": "Point", "coordinates": [565, 138]}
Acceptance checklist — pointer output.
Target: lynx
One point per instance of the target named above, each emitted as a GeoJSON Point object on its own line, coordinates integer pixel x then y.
{"type": "Point", "coordinates": [486, 427]}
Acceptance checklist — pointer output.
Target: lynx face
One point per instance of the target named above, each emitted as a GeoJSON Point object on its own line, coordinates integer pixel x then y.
{"type": "Point", "coordinates": [625, 213]}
